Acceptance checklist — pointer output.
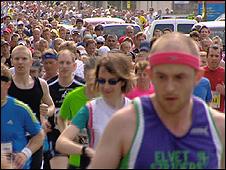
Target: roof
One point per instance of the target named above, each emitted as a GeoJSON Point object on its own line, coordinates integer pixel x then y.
{"type": "Point", "coordinates": [99, 20]}
{"type": "Point", "coordinates": [212, 24]}
{"type": "Point", "coordinates": [168, 21]}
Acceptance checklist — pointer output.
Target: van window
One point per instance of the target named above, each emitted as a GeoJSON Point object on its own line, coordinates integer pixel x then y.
{"type": "Point", "coordinates": [163, 26]}
{"type": "Point", "coordinates": [119, 30]}
{"type": "Point", "coordinates": [184, 28]}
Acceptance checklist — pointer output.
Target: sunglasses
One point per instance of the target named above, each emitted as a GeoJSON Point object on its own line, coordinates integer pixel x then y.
{"type": "Point", "coordinates": [110, 81]}
{"type": "Point", "coordinates": [5, 79]}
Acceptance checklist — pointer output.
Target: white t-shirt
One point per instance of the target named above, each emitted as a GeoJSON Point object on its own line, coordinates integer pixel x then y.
{"type": "Point", "coordinates": [102, 113]}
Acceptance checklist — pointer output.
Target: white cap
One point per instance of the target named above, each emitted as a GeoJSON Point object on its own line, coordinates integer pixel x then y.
{"type": "Point", "coordinates": [100, 39]}
{"type": "Point", "coordinates": [103, 50]}
{"type": "Point", "coordinates": [20, 23]}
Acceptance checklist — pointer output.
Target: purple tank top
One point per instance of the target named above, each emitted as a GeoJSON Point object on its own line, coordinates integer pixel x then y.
{"type": "Point", "coordinates": [155, 147]}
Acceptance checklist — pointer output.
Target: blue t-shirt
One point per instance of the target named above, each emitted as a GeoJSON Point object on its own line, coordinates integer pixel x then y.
{"type": "Point", "coordinates": [17, 119]}
{"type": "Point", "coordinates": [203, 90]}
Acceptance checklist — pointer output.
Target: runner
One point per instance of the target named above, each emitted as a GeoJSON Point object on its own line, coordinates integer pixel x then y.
{"type": "Point", "coordinates": [17, 119]}
{"type": "Point", "coordinates": [114, 77]}
{"type": "Point", "coordinates": [170, 129]}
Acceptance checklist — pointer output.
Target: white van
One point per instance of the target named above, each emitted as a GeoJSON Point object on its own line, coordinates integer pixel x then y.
{"type": "Point", "coordinates": [179, 25]}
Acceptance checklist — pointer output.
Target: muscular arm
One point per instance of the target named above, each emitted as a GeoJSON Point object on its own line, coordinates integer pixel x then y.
{"type": "Point", "coordinates": [219, 119]}
{"type": "Point", "coordinates": [116, 140]}
{"type": "Point", "coordinates": [47, 99]}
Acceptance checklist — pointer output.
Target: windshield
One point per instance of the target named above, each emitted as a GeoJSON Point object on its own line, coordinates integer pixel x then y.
{"type": "Point", "coordinates": [163, 26]}
{"type": "Point", "coordinates": [184, 28]}
{"type": "Point", "coordinates": [119, 30]}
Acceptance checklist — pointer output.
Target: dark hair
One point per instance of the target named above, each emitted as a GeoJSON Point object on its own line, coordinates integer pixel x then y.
{"type": "Point", "coordinates": [204, 26]}
{"type": "Point", "coordinates": [167, 29]}
{"type": "Point", "coordinates": [194, 34]}
{"type": "Point", "coordinates": [215, 47]}
{"type": "Point", "coordinates": [79, 20]}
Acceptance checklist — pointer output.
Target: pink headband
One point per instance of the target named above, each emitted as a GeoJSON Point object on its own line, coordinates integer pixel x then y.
{"type": "Point", "coordinates": [174, 58]}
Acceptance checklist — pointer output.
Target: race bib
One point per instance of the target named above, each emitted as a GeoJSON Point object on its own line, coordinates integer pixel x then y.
{"type": "Point", "coordinates": [215, 103]}
{"type": "Point", "coordinates": [6, 148]}
{"type": "Point", "coordinates": [7, 151]}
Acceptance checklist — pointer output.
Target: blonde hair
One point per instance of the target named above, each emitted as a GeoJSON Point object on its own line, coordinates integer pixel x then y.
{"type": "Point", "coordinates": [22, 47]}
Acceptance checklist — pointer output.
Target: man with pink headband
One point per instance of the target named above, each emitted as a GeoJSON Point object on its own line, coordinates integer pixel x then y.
{"type": "Point", "coordinates": [171, 129]}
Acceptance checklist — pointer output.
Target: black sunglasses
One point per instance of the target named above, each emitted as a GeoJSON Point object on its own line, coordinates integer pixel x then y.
{"type": "Point", "coordinates": [110, 81]}
{"type": "Point", "coordinates": [5, 79]}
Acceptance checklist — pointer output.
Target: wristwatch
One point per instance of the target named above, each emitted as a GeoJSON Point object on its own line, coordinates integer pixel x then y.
{"type": "Point", "coordinates": [84, 150]}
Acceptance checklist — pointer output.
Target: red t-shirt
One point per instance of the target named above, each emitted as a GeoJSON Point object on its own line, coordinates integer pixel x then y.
{"type": "Point", "coordinates": [216, 77]}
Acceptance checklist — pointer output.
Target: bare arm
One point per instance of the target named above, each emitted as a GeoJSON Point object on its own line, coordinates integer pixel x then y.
{"type": "Point", "coordinates": [219, 119]}
{"type": "Point", "coordinates": [47, 99]}
{"type": "Point", "coordinates": [61, 123]}
{"type": "Point", "coordinates": [115, 141]}
{"type": "Point", "coordinates": [34, 144]}
{"type": "Point", "coordinates": [66, 145]}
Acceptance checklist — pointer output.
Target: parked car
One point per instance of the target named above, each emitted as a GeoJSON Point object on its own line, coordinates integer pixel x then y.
{"type": "Point", "coordinates": [119, 29]}
{"type": "Point", "coordinates": [216, 28]}
{"type": "Point", "coordinates": [179, 25]}
{"type": "Point", "coordinates": [103, 20]}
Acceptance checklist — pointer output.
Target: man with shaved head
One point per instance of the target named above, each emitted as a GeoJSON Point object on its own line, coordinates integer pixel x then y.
{"type": "Point", "coordinates": [32, 91]}
{"type": "Point", "coordinates": [171, 129]}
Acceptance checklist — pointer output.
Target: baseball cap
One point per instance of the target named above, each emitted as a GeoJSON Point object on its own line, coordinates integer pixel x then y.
{"type": "Point", "coordinates": [21, 42]}
{"type": "Point", "coordinates": [20, 23]}
{"type": "Point", "coordinates": [75, 31]}
{"type": "Point", "coordinates": [49, 56]}
{"type": "Point", "coordinates": [8, 30]}
{"type": "Point", "coordinates": [145, 46]}
{"type": "Point", "coordinates": [100, 39]}
{"type": "Point", "coordinates": [103, 50]}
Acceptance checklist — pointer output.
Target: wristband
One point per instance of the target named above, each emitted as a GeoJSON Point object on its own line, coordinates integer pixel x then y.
{"type": "Point", "coordinates": [84, 150]}
{"type": "Point", "coordinates": [27, 152]}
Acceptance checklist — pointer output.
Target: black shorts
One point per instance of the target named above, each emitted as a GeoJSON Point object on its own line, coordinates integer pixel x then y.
{"type": "Point", "coordinates": [52, 138]}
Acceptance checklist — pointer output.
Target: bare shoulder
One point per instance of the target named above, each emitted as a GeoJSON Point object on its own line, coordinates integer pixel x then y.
{"type": "Point", "coordinates": [123, 123]}
{"type": "Point", "coordinates": [43, 84]}
{"type": "Point", "coordinates": [219, 119]}
{"type": "Point", "coordinates": [42, 81]}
